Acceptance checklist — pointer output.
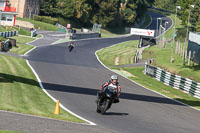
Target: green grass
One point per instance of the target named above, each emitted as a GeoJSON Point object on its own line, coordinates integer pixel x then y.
{"type": "Point", "coordinates": [41, 25]}
{"type": "Point", "coordinates": [157, 86]}
{"type": "Point", "coordinates": [105, 33]}
{"type": "Point", "coordinates": [22, 47]}
{"type": "Point", "coordinates": [149, 82]}
{"type": "Point", "coordinates": [6, 131]}
{"type": "Point", "coordinates": [21, 31]}
{"type": "Point", "coordinates": [3, 29]}
{"type": "Point", "coordinates": [162, 59]}
{"type": "Point", "coordinates": [125, 51]}
{"type": "Point", "coordinates": [169, 34]}
{"type": "Point", "coordinates": [20, 90]}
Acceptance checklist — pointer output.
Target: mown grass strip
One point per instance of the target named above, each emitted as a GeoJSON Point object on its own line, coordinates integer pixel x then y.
{"type": "Point", "coordinates": [157, 86]}
{"type": "Point", "coordinates": [144, 80]}
{"type": "Point", "coordinates": [20, 90]}
{"type": "Point", "coordinates": [125, 51]}
{"type": "Point", "coordinates": [22, 47]}
{"type": "Point", "coordinates": [40, 25]}
{"type": "Point", "coordinates": [7, 131]}
{"type": "Point", "coordinates": [162, 59]}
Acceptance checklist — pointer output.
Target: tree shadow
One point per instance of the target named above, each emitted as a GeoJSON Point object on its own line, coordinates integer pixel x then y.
{"type": "Point", "coordinates": [189, 102]}
{"type": "Point", "coordinates": [124, 95]}
{"type": "Point", "coordinates": [8, 78]}
{"type": "Point", "coordinates": [194, 67]}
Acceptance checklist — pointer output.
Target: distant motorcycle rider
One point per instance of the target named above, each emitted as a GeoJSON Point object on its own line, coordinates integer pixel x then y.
{"type": "Point", "coordinates": [114, 81]}
{"type": "Point", "coordinates": [71, 46]}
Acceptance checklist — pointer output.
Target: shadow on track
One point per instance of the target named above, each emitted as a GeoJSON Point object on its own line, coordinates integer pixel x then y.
{"type": "Point", "coordinates": [124, 95]}
{"type": "Point", "coordinates": [8, 78]}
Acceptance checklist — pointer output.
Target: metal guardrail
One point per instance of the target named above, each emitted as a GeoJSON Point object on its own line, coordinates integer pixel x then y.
{"type": "Point", "coordinates": [186, 85]}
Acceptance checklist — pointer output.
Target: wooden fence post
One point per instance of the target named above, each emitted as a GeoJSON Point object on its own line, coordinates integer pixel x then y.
{"type": "Point", "coordinates": [189, 58]}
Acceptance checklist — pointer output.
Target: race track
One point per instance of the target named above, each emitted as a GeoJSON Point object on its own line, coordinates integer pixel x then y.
{"type": "Point", "coordinates": [75, 77]}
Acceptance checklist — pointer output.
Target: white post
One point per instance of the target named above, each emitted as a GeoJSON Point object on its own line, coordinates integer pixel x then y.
{"type": "Point", "coordinates": [186, 38]}
{"type": "Point", "coordinates": [172, 46]}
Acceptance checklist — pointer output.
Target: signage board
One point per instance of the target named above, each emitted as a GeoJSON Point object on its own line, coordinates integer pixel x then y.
{"type": "Point", "coordinates": [68, 26]}
{"type": "Point", "coordinates": [142, 32]}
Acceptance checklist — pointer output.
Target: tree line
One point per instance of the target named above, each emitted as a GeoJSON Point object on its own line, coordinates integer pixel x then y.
{"type": "Point", "coordinates": [108, 13]}
{"type": "Point", "coordinates": [183, 13]}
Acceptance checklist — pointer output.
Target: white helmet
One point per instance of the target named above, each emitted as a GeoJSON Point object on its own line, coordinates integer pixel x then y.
{"type": "Point", "coordinates": [114, 77]}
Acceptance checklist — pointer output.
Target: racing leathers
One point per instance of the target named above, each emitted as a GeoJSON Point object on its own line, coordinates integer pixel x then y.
{"type": "Point", "coordinates": [106, 84]}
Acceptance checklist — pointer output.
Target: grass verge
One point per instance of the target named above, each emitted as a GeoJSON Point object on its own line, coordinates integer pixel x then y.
{"type": "Point", "coordinates": [20, 91]}
{"type": "Point", "coordinates": [145, 80]}
{"type": "Point", "coordinates": [40, 25]}
{"type": "Point", "coordinates": [162, 56]}
{"type": "Point", "coordinates": [6, 131]}
{"type": "Point", "coordinates": [123, 51]}
{"type": "Point", "coordinates": [22, 47]}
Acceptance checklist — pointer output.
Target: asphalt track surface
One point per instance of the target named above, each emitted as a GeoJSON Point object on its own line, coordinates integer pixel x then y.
{"type": "Point", "coordinates": [74, 78]}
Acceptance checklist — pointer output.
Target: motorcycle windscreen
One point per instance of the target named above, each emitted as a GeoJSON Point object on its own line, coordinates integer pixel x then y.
{"type": "Point", "coordinates": [110, 89]}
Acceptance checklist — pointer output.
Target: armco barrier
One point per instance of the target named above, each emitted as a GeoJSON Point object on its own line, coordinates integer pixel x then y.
{"type": "Point", "coordinates": [186, 85]}
{"type": "Point", "coordinates": [8, 34]}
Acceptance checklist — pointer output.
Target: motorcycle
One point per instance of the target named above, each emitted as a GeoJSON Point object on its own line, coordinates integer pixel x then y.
{"type": "Point", "coordinates": [106, 99]}
{"type": "Point", "coordinates": [70, 47]}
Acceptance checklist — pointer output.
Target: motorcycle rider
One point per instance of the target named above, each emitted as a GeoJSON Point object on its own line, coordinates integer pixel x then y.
{"type": "Point", "coordinates": [113, 80]}
{"type": "Point", "coordinates": [71, 44]}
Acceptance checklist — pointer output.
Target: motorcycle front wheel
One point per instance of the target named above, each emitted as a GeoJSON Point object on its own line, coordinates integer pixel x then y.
{"type": "Point", "coordinates": [104, 106]}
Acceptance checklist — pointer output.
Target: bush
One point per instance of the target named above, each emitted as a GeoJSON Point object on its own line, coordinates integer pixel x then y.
{"type": "Point", "coordinates": [46, 19]}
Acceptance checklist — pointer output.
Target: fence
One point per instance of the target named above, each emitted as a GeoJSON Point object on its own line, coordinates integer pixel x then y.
{"type": "Point", "coordinates": [186, 85]}
{"type": "Point", "coordinates": [8, 34]}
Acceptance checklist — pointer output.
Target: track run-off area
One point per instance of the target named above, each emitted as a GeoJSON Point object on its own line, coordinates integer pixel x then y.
{"type": "Point", "coordinates": [74, 79]}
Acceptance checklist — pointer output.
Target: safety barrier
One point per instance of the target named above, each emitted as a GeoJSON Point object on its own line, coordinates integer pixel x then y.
{"type": "Point", "coordinates": [8, 34]}
{"type": "Point", "coordinates": [186, 85]}
{"type": "Point", "coordinates": [85, 35]}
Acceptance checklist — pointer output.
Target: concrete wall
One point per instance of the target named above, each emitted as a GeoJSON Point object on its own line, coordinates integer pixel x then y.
{"type": "Point", "coordinates": [85, 35]}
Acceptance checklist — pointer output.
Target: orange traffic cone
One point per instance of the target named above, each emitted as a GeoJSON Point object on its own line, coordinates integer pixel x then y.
{"type": "Point", "coordinates": [57, 110]}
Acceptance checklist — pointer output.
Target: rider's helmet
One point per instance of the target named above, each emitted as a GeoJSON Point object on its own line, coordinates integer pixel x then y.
{"type": "Point", "coordinates": [114, 78]}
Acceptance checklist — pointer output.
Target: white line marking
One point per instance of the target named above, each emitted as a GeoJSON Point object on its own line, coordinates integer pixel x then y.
{"type": "Point", "coordinates": [40, 83]}
{"type": "Point", "coordinates": [5, 111]}
{"type": "Point", "coordinates": [139, 84]}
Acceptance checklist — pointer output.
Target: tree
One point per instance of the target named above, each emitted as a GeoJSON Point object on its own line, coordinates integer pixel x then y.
{"type": "Point", "coordinates": [169, 5]}
{"type": "Point", "coordinates": [195, 16]}
{"type": "Point", "coordinates": [48, 7]}
{"type": "Point", "coordinates": [104, 12]}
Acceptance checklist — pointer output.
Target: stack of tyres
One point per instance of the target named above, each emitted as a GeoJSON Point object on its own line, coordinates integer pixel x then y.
{"type": "Point", "coordinates": [6, 46]}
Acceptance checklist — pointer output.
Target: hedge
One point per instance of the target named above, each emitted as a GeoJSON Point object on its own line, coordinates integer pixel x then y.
{"type": "Point", "coordinates": [46, 19]}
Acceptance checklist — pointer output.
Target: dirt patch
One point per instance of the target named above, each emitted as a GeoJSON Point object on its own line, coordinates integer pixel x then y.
{"type": "Point", "coordinates": [165, 91]}
{"type": "Point", "coordinates": [117, 61]}
{"type": "Point", "coordinates": [128, 74]}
